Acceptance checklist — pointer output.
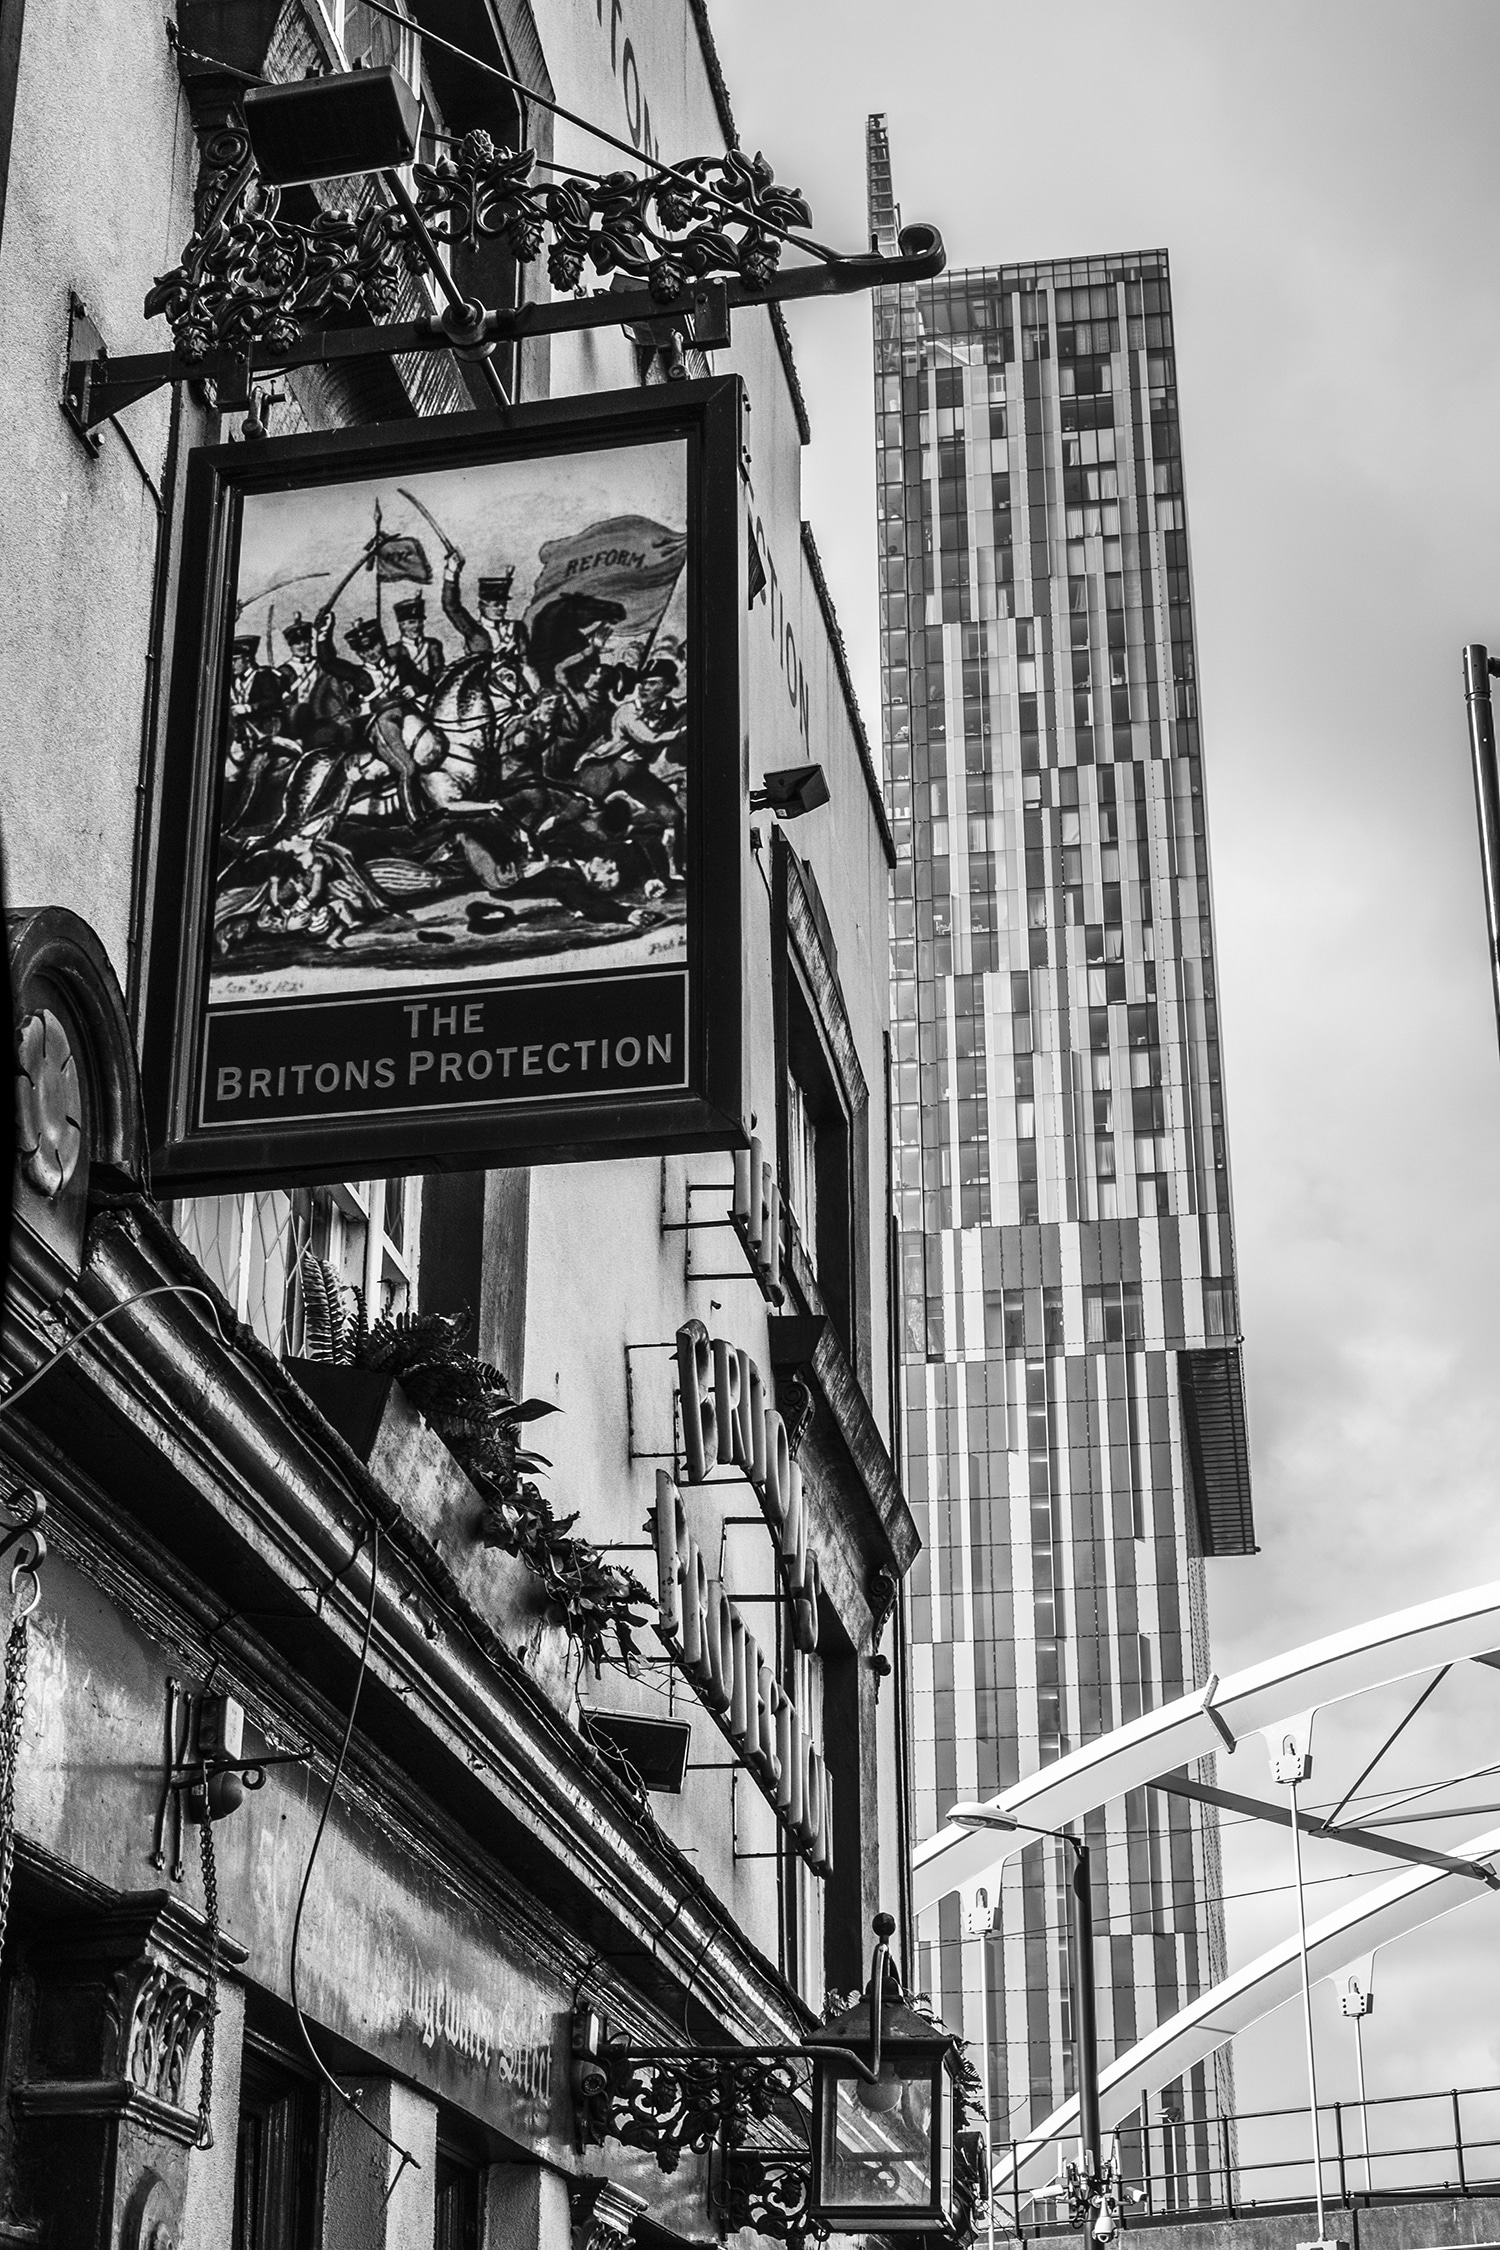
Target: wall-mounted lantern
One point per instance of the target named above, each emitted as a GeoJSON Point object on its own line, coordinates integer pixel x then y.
{"type": "Point", "coordinates": [883, 2130]}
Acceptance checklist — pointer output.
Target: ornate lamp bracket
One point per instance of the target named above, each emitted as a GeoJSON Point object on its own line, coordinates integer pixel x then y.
{"type": "Point", "coordinates": [671, 2100]}
{"type": "Point", "coordinates": [708, 2100]}
{"type": "Point", "coordinates": [264, 284]}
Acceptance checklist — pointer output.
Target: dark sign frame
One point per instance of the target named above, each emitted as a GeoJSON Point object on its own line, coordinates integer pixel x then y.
{"type": "Point", "coordinates": [705, 1108]}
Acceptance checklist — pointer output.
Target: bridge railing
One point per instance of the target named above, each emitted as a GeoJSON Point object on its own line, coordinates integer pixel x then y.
{"type": "Point", "coordinates": [1396, 2147]}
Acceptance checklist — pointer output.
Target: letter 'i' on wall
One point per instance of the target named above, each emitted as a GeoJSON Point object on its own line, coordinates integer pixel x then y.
{"type": "Point", "coordinates": [727, 1366]}
{"type": "Point", "coordinates": [792, 1753]}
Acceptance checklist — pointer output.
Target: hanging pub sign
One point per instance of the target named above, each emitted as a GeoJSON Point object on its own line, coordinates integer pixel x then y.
{"type": "Point", "coordinates": [453, 825]}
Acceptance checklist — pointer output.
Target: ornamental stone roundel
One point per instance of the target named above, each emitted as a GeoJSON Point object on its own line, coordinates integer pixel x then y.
{"type": "Point", "coordinates": [49, 1130]}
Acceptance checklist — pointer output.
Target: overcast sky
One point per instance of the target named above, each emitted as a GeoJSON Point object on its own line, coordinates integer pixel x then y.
{"type": "Point", "coordinates": [1324, 177]}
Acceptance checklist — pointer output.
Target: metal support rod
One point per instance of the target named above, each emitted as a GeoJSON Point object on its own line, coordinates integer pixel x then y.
{"type": "Point", "coordinates": [1364, 2107]}
{"type": "Point", "coordinates": [1477, 670]}
{"type": "Point", "coordinates": [1338, 2142]}
{"type": "Point", "coordinates": [1458, 2144]}
{"type": "Point", "coordinates": [1307, 2019]}
{"type": "Point", "coordinates": [1085, 2031]}
{"type": "Point", "coordinates": [1146, 2145]}
{"type": "Point", "coordinates": [460, 309]}
{"type": "Point", "coordinates": [1224, 2146]}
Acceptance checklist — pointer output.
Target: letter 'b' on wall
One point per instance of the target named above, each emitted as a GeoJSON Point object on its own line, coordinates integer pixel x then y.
{"type": "Point", "coordinates": [695, 1377]}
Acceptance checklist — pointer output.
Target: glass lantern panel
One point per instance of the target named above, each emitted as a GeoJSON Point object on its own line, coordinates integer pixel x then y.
{"type": "Point", "coordinates": [878, 2142]}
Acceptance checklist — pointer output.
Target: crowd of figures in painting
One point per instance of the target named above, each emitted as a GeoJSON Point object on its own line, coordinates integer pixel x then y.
{"type": "Point", "coordinates": [415, 775]}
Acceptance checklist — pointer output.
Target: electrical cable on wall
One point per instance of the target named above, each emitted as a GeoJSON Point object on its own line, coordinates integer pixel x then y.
{"type": "Point", "coordinates": [159, 1289]}
{"type": "Point", "coordinates": [349, 2101]}
{"type": "Point", "coordinates": [611, 140]}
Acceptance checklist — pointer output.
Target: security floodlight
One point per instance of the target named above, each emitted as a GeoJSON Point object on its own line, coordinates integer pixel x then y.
{"type": "Point", "coordinates": [326, 128]}
{"type": "Point", "coordinates": [791, 791]}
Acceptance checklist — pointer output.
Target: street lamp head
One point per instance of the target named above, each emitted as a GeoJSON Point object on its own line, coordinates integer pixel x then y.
{"type": "Point", "coordinates": [980, 1816]}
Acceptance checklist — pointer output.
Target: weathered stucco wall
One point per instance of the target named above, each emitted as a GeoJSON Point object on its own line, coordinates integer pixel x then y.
{"type": "Point", "coordinates": [98, 202]}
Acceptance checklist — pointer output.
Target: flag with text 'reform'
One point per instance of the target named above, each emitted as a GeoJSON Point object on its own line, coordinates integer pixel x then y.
{"type": "Point", "coordinates": [625, 560]}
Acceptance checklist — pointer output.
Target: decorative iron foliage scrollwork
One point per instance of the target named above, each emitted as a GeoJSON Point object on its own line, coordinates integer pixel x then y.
{"type": "Point", "coordinates": [251, 276]}
{"type": "Point", "coordinates": [709, 218]}
{"type": "Point", "coordinates": [770, 2191]}
{"type": "Point", "coordinates": [694, 2102]}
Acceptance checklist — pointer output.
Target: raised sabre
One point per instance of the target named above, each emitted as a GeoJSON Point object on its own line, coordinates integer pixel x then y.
{"type": "Point", "coordinates": [251, 599]}
{"type": "Point", "coordinates": [429, 518]}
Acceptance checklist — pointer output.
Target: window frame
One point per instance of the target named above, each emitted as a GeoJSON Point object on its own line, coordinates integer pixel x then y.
{"type": "Point", "coordinates": [814, 1041]}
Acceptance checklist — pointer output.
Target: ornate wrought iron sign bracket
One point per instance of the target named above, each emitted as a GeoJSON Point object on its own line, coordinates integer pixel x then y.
{"type": "Point", "coordinates": [259, 292]}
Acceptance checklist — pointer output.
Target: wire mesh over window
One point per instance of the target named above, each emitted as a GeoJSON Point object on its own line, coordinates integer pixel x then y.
{"type": "Point", "coordinates": [251, 1247]}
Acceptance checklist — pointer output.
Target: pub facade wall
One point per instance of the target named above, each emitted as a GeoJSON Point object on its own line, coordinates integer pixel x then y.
{"type": "Point", "coordinates": [483, 1868]}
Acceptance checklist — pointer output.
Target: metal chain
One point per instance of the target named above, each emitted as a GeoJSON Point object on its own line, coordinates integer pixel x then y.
{"type": "Point", "coordinates": [12, 1717]}
{"type": "Point", "coordinates": [210, 2025]}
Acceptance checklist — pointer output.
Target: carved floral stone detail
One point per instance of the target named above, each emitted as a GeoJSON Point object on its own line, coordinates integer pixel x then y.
{"type": "Point", "coordinates": [49, 1129]}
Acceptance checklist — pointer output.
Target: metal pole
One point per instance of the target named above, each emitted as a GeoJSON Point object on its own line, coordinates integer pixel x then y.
{"type": "Point", "coordinates": [989, 2145]}
{"type": "Point", "coordinates": [1146, 2145]}
{"type": "Point", "coordinates": [1458, 2145]}
{"type": "Point", "coordinates": [1477, 670]}
{"type": "Point", "coordinates": [1364, 2107]}
{"type": "Point", "coordinates": [1307, 2022]}
{"type": "Point", "coordinates": [1085, 2034]}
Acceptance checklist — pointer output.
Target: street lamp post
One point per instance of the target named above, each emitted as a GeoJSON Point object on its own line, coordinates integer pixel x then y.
{"type": "Point", "coordinates": [980, 1922]}
{"type": "Point", "coordinates": [1085, 2018]}
{"type": "Point", "coordinates": [1479, 666]}
{"type": "Point", "coordinates": [1093, 2192]}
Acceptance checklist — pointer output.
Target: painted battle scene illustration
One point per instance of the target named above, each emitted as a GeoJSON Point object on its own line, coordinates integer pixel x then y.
{"type": "Point", "coordinates": [456, 734]}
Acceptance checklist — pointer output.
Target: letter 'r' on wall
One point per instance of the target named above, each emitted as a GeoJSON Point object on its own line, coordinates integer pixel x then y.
{"type": "Point", "coordinates": [697, 1385]}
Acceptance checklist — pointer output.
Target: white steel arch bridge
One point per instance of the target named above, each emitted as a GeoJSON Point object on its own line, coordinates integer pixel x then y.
{"type": "Point", "coordinates": [1219, 1715]}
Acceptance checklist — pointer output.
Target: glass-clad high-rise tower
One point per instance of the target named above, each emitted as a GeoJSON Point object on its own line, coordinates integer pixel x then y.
{"type": "Point", "coordinates": [1074, 1424]}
